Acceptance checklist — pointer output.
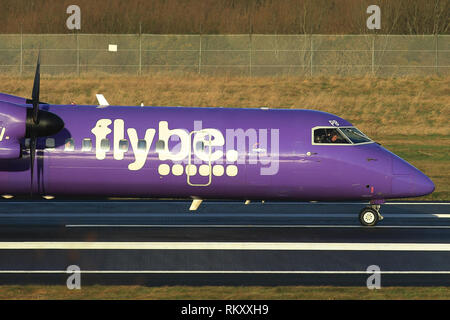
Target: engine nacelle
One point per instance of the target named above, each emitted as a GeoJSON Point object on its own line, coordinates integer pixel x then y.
{"type": "Point", "coordinates": [10, 150]}
{"type": "Point", "coordinates": [12, 129]}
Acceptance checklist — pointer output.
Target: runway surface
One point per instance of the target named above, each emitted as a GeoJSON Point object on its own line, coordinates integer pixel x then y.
{"type": "Point", "coordinates": [222, 243]}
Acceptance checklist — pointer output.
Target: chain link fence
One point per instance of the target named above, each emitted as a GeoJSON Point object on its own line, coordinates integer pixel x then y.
{"type": "Point", "coordinates": [243, 55]}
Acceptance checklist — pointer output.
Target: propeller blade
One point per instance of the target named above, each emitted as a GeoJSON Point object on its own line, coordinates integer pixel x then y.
{"type": "Point", "coordinates": [36, 89]}
{"type": "Point", "coordinates": [33, 139]}
{"type": "Point", "coordinates": [39, 123]}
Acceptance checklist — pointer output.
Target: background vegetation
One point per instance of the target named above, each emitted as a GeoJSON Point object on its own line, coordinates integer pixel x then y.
{"type": "Point", "coordinates": [33, 292]}
{"type": "Point", "coordinates": [226, 16]}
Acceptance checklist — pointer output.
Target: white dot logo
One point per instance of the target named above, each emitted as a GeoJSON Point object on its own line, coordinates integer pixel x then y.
{"type": "Point", "coordinates": [218, 170]}
{"type": "Point", "coordinates": [177, 170]}
{"type": "Point", "coordinates": [191, 170]}
{"type": "Point", "coordinates": [204, 170]}
{"type": "Point", "coordinates": [232, 170]}
{"type": "Point", "coordinates": [164, 169]}
{"type": "Point", "coordinates": [232, 155]}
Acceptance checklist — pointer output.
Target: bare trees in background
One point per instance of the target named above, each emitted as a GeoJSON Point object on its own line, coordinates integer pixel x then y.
{"type": "Point", "coordinates": [227, 16]}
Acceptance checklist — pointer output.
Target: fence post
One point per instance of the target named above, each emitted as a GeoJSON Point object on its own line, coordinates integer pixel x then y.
{"type": "Point", "coordinates": [78, 54]}
{"type": "Point", "coordinates": [436, 36]}
{"type": "Point", "coordinates": [21, 50]}
{"type": "Point", "coordinates": [373, 55]}
{"type": "Point", "coordinates": [140, 48]}
{"type": "Point", "coordinates": [250, 54]}
{"type": "Point", "coordinates": [311, 53]}
{"type": "Point", "coordinates": [200, 54]}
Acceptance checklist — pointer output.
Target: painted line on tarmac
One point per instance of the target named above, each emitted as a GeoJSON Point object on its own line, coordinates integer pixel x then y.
{"type": "Point", "coordinates": [220, 215]}
{"type": "Point", "coordinates": [297, 246]}
{"type": "Point", "coordinates": [244, 226]}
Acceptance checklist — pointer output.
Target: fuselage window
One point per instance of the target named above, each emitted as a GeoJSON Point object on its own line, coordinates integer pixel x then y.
{"type": "Point", "coordinates": [69, 145]}
{"type": "Point", "coordinates": [329, 135]}
{"type": "Point", "coordinates": [104, 145]}
{"type": "Point", "coordinates": [50, 142]}
{"type": "Point", "coordinates": [142, 145]}
{"type": "Point", "coordinates": [123, 145]}
{"type": "Point", "coordinates": [355, 135]}
{"type": "Point", "coordinates": [160, 145]}
{"type": "Point", "coordinates": [200, 146]}
{"type": "Point", "coordinates": [87, 145]}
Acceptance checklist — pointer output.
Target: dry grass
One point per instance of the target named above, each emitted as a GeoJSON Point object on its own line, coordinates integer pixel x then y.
{"type": "Point", "coordinates": [33, 292]}
{"type": "Point", "coordinates": [380, 107]}
{"type": "Point", "coordinates": [407, 115]}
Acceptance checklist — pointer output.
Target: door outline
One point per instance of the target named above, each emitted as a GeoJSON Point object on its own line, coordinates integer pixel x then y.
{"type": "Point", "coordinates": [188, 171]}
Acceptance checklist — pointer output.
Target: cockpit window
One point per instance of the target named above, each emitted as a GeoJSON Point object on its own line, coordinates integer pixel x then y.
{"type": "Point", "coordinates": [355, 135]}
{"type": "Point", "coordinates": [329, 135]}
{"type": "Point", "coordinates": [339, 135]}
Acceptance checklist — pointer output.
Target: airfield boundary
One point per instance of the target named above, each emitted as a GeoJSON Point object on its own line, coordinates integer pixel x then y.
{"type": "Point", "coordinates": [235, 54]}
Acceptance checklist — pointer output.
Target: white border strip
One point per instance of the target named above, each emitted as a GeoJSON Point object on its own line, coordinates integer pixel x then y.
{"type": "Point", "coordinates": [211, 272]}
{"type": "Point", "coordinates": [225, 246]}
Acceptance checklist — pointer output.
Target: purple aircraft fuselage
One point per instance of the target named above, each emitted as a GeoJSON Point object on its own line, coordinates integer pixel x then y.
{"type": "Point", "coordinates": [207, 153]}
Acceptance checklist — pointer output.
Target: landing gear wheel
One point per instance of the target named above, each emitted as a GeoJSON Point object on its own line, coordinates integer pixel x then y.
{"type": "Point", "coordinates": [368, 217]}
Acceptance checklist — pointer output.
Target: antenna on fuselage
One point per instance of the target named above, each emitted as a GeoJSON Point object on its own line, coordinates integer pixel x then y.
{"type": "Point", "coordinates": [102, 102]}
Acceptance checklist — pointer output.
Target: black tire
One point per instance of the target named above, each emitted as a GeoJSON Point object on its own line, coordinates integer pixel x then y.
{"type": "Point", "coordinates": [368, 217]}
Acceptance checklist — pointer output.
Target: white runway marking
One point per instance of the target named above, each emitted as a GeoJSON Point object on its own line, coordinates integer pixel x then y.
{"type": "Point", "coordinates": [244, 226]}
{"type": "Point", "coordinates": [298, 246]}
{"type": "Point", "coordinates": [418, 203]}
{"type": "Point", "coordinates": [221, 215]}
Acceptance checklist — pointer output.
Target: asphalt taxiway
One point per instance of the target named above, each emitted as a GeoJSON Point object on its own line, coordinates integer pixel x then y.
{"type": "Point", "coordinates": [222, 243]}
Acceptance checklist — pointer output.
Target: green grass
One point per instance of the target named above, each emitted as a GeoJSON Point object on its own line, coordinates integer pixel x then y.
{"type": "Point", "coordinates": [222, 293]}
{"type": "Point", "coordinates": [421, 152]}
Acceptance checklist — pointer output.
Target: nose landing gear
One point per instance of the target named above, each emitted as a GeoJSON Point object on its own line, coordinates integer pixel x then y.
{"type": "Point", "coordinates": [370, 215]}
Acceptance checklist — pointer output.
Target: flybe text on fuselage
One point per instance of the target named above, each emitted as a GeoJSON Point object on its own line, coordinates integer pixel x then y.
{"type": "Point", "coordinates": [250, 146]}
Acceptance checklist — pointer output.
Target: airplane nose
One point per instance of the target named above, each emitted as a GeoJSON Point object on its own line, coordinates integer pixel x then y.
{"type": "Point", "coordinates": [420, 184]}
{"type": "Point", "coordinates": [423, 185]}
{"type": "Point", "coordinates": [407, 181]}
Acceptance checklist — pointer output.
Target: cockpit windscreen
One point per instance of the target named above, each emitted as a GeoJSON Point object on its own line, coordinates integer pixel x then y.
{"type": "Point", "coordinates": [341, 135]}
{"type": "Point", "coordinates": [355, 135]}
{"type": "Point", "coordinates": [329, 135]}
